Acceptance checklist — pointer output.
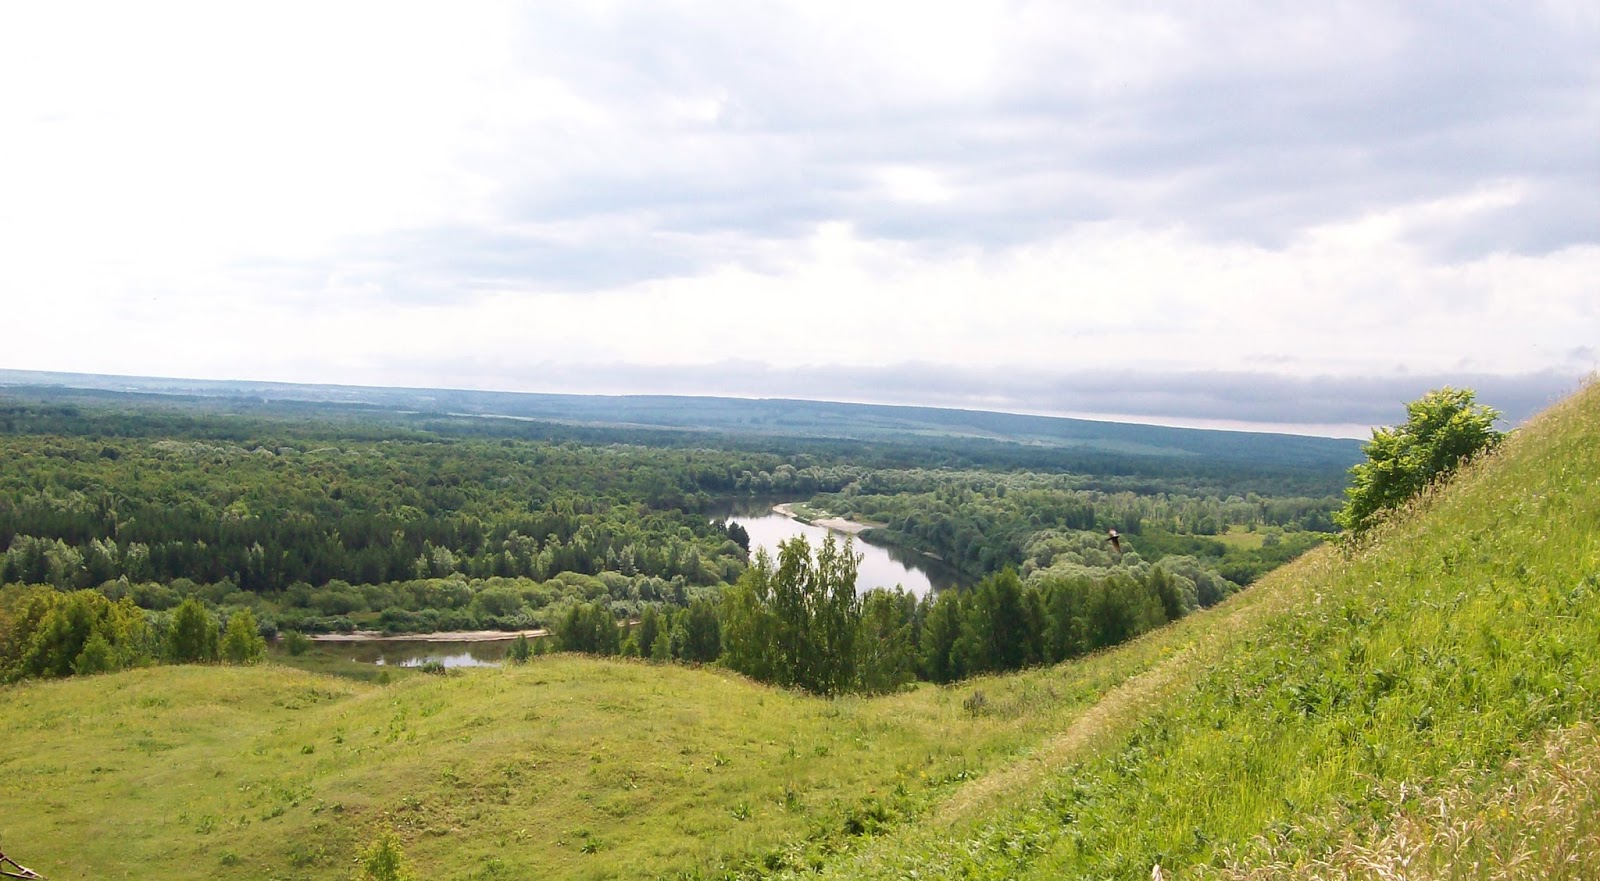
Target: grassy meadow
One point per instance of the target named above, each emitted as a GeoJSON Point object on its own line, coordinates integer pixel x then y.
{"type": "Point", "coordinates": [1420, 706]}
{"type": "Point", "coordinates": [568, 767]}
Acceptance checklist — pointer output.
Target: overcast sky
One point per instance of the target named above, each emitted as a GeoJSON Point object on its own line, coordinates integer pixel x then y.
{"type": "Point", "coordinates": [1192, 213]}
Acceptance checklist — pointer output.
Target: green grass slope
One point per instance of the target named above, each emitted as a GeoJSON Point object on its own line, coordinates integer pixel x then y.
{"type": "Point", "coordinates": [1420, 708]}
{"type": "Point", "coordinates": [569, 767]}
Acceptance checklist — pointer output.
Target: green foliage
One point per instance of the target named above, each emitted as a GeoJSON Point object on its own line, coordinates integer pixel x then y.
{"type": "Point", "coordinates": [520, 650]}
{"type": "Point", "coordinates": [649, 632]}
{"type": "Point", "coordinates": [296, 643]}
{"type": "Point", "coordinates": [44, 632]}
{"type": "Point", "coordinates": [241, 639]}
{"type": "Point", "coordinates": [982, 522]}
{"type": "Point", "coordinates": [193, 637]}
{"type": "Point", "coordinates": [697, 633]}
{"type": "Point", "coordinates": [1444, 428]}
{"type": "Point", "coordinates": [941, 631]}
{"type": "Point", "coordinates": [97, 657]}
{"type": "Point", "coordinates": [887, 656]}
{"type": "Point", "coordinates": [384, 860]}
{"type": "Point", "coordinates": [589, 628]}
{"type": "Point", "coordinates": [997, 633]}
{"type": "Point", "coordinates": [1340, 703]}
{"type": "Point", "coordinates": [796, 623]}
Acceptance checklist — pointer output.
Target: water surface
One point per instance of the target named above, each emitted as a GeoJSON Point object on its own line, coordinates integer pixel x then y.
{"type": "Point", "coordinates": [415, 653]}
{"type": "Point", "coordinates": [880, 566]}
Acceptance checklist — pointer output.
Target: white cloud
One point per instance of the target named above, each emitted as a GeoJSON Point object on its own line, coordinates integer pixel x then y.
{"type": "Point", "coordinates": [409, 194]}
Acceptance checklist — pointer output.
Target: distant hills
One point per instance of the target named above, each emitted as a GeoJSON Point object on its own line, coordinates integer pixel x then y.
{"type": "Point", "coordinates": [738, 416]}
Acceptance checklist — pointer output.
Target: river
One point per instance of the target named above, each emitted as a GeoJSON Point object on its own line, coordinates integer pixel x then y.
{"type": "Point", "coordinates": [880, 566]}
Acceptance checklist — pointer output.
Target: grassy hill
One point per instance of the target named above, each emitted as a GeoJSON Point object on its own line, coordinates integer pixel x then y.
{"type": "Point", "coordinates": [1424, 702]}
{"type": "Point", "coordinates": [1423, 708]}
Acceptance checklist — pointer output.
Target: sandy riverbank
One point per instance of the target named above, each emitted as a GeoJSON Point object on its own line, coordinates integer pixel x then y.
{"type": "Point", "coordinates": [837, 524]}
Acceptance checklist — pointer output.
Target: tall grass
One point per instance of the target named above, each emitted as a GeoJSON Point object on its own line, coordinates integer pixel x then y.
{"type": "Point", "coordinates": [1445, 649]}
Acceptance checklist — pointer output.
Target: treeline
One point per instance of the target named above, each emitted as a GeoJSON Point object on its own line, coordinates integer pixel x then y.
{"type": "Point", "coordinates": [271, 505]}
{"type": "Point", "coordinates": [50, 633]}
{"type": "Point", "coordinates": [75, 512]}
{"type": "Point", "coordinates": [691, 634]}
{"type": "Point", "coordinates": [981, 522]}
{"type": "Point", "coordinates": [1140, 459]}
{"type": "Point", "coordinates": [414, 606]}
{"type": "Point", "coordinates": [799, 622]}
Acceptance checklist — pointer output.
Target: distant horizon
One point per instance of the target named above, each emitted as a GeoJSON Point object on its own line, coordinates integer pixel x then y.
{"type": "Point", "coordinates": [1344, 431]}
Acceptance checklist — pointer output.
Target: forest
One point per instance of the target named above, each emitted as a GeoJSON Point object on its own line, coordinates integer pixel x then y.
{"type": "Point", "coordinates": [316, 517]}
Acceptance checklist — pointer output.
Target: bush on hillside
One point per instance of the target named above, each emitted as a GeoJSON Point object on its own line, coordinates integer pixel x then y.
{"type": "Point", "coordinates": [1445, 428]}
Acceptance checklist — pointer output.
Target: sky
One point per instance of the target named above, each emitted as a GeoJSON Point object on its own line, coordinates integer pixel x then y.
{"type": "Point", "coordinates": [1288, 216]}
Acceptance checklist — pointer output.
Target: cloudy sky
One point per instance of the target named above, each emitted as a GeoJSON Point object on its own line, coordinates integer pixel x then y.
{"type": "Point", "coordinates": [1193, 213]}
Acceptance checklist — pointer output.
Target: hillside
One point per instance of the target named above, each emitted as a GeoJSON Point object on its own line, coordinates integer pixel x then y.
{"type": "Point", "coordinates": [1428, 698]}
{"type": "Point", "coordinates": [1423, 708]}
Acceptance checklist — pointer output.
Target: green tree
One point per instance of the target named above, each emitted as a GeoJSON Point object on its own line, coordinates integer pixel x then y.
{"type": "Point", "coordinates": [997, 633]}
{"type": "Point", "coordinates": [296, 643]}
{"type": "Point", "coordinates": [649, 631]}
{"type": "Point", "coordinates": [750, 625]}
{"type": "Point", "coordinates": [591, 628]}
{"type": "Point", "coordinates": [795, 623]}
{"type": "Point", "coordinates": [1444, 428]}
{"type": "Point", "coordinates": [701, 633]}
{"type": "Point", "coordinates": [96, 657]}
{"type": "Point", "coordinates": [886, 660]}
{"type": "Point", "coordinates": [521, 650]}
{"type": "Point", "coordinates": [47, 633]}
{"type": "Point", "coordinates": [835, 617]}
{"type": "Point", "coordinates": [193, 637]}
{"type": "Point", "coordinates": [242, 642]}
{"type": "Point", "coordinates": [941, 630]}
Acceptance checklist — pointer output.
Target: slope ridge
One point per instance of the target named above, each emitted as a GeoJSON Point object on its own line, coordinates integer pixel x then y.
{"type": "Point", "coordinates": [1438, 659]}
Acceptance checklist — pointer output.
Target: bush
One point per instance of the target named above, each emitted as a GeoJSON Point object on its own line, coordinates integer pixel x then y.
{"type": "Point", "coordinates": [1444, 429]}
{"type": "Point", "coordinates": [520, 650]}
{"type": "Point", "coordinates": [383, 860]}
{"type": "Point", "coordinates": [295, 642]}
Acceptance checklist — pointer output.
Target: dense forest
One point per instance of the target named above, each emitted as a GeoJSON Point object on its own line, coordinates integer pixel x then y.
{"type": "Point", "coordinates": [316, 517]}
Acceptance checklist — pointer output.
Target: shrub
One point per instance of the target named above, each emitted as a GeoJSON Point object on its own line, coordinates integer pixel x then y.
{"type": "Point", "coordinates": [295, 642]}
{"type": "Point", "coordinates": [1445, 428]}
{"type": "Point", "coordinates": [383, 860]}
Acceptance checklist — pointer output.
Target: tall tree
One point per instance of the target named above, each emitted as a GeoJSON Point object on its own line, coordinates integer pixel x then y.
{"type": "Point", "coordinates": [194, 637]}
{"type": "Point", "coordinates": [241, 640]}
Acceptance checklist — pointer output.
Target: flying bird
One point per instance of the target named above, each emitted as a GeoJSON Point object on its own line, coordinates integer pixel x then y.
{"type": "Point", "coordinates": [1115, 539]}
